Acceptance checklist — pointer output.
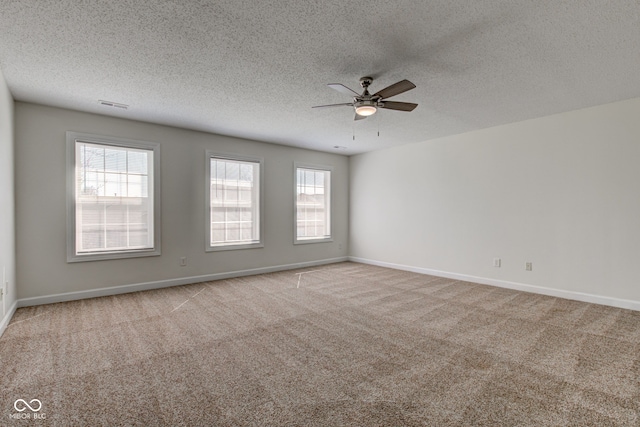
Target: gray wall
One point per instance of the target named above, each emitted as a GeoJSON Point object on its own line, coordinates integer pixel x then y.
{"type": "Point", "coordinates": [561, 192]}
{"type": "Point", "coordinates": [40, 201]}
{"type": "Point", "coordinates": [7, 225]}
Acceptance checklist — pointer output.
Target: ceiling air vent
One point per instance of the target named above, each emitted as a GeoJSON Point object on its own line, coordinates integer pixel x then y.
{"type": "Point", "coordinates": [113, 104]}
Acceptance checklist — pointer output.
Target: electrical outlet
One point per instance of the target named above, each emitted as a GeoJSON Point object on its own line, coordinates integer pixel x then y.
{"type": "Point", "coordinates": [340, 246]}
{"type": "Point", "coordinates": [497, 262]}
{"type": "Point", "coordinates": [528, 266]}
{"type": "Point", "coordinates": [183, 261]}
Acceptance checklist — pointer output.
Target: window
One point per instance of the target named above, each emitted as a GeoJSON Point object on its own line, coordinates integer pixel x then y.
{"type": "Point", "coordinates": [113, 198]}
{"type": "Point", "coordinates": [234, 202]}
{"type": "Point", "coordinates": [313, 203]}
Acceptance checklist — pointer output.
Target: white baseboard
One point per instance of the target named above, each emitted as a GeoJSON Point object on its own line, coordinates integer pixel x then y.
{"type": "Point", "coordinates": [7, 317]}
{"type": "Point", "coordinates": [115, 290]}
{"type": "Point", "coordinates": [560, 293]}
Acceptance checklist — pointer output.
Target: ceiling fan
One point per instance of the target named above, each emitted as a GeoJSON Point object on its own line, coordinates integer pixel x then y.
{"type": "Point", "coordinates": [366, 104]}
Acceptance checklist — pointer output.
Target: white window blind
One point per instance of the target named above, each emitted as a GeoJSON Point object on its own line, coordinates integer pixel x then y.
{"type": "Point", "coordinates": [114, 198]}
{"type": "Point", "coordinates": [313, 199]}
{"type": "Point", "coordinates": [234, 202]}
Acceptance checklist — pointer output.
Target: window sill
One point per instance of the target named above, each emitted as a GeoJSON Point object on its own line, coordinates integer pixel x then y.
{"type": "Point", "coordinates": [310, 241]}
{"type": "Point", "coordinates": [102, 256]}
{"type": "Point", "coordinates": [234, 247]}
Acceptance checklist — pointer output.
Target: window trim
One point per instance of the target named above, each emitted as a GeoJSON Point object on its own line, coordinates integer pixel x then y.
{"type": "Point", "coordinates": [72, 255]}
{"type": "Point", "coordinates": [324, 168]}
{"type": "Point", "coordinates": [241, 158]}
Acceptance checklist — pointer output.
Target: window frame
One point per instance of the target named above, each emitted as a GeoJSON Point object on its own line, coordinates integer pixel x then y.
{"type": "Point", "coordinates": [317, 167]}
{"type": "Point", "coordinates": [72, 139]}
{"type": "Point", "coordinates": [213, 154]}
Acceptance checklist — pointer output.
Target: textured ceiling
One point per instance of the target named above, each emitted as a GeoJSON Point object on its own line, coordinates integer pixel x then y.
{"type": "Point", "coordinates": [254, 68]}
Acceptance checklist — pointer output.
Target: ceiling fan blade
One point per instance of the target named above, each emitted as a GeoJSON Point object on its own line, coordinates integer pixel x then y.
{"type": "Point", "coordinates": [350, 104]}
{"type": "Point", "coordinates": [359, 117]}
{"type": "Point", "coordinates": [342, 88]}
{"type": "Point", "coordinates": [399, 106]}
{"type": "Point", "coordinates": [395, 89]}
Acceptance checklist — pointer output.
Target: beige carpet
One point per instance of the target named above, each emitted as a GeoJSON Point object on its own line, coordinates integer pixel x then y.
{"type": "Point", "coordinates": [342, 345]}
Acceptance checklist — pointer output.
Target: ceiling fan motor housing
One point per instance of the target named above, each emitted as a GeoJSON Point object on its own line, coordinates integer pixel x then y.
{"type": "Point", "coordinates": [365, 104]}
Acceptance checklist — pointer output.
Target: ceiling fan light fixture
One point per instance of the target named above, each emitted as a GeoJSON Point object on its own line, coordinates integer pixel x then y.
{"type": "Point", "coordinates": [366, 110]}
